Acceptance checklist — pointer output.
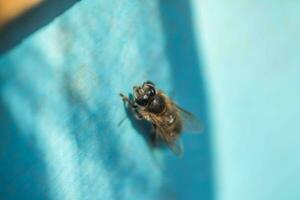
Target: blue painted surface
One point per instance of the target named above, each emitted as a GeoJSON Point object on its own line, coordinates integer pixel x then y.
{"type": "Point", "coordinates": [234, 64]}
{"type": "Point", "coordinates": [252, 72]}
{"type": "Point", "coordinates": [59, 94]}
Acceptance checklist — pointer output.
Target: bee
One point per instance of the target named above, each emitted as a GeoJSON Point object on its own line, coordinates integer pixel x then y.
{"type": "Point", "coordinates": [168, 119]}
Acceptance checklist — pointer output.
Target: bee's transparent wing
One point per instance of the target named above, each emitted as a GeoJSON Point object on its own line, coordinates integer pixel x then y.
{"type": "Point", "coordinates": [174, 144]}
{"type": "Point", "coordinates": [191, 124]}
{"type": "Point", "coordinates": [176, 147]}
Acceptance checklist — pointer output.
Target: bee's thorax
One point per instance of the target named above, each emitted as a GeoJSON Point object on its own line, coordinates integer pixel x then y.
{"type": "Point", "coordinates": [157, 105]}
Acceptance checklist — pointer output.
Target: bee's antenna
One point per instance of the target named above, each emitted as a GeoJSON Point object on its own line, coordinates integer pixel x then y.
{"type": "Point", "coordinates": [122, 120]}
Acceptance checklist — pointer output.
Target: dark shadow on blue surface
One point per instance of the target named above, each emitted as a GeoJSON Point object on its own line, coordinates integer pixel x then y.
{"type": "Point", "coordinates": [22, 169]}
{"type": "Point", "coordinates": [26, 24]}
{"type": "Point", "coordinates": [194, 171]}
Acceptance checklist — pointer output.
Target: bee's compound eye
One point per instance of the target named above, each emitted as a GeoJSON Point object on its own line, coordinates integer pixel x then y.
{"type": "Point", "coordinates": [150, 83]}
{"type": "Point", "coordinates": [151, 92]}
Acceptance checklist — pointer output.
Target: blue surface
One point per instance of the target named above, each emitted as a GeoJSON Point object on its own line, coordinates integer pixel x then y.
{"type": "Point", "coordinates": [235, 64]}
{"type": "Point", "coordinates": [59, 94]}
{"type": "Point", "coordinates": [252, 72]}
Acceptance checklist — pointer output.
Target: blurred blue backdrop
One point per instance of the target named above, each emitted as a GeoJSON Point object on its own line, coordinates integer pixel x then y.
{"type": "Point", "coordinates": [234, 64]}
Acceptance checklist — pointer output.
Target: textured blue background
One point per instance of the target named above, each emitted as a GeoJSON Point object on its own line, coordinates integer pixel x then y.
{"type": "Point", "coordinates": [235, 64]}
{"type": "Point", "coordinates": [60, 103]}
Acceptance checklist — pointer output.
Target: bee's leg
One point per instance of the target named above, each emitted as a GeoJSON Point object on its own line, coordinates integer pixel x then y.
{"type": "Point", "coordinates": [126, 99]}
{"type": "Point", "coordinates": [133, 107]}
{"type": "Point", "coordinates": [154, 136]}
{"type": "Point", "coordinates": [137, 114]}
{"type": "Point", "coordinates": [131, 103]}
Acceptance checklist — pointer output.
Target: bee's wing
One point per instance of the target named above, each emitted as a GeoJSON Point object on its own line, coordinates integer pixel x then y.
{"type": "Point", "coordinates": [191, 124]}
{"type": "Point", "coordinates": [174, 144]}
{"type": "Point", "coordinates": [176, 147]}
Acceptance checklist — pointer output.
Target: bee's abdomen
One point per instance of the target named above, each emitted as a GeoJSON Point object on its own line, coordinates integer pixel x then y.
{"type": "Point", "coordinates": [173, 123]}
{"type": "Point", "coordinates": [177, 126]}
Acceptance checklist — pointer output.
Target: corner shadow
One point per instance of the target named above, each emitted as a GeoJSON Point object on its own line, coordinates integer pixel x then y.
{"type": "Point", "coordinates": [196, 172]}
{"type": "Point", "coordinates": [34, 19]}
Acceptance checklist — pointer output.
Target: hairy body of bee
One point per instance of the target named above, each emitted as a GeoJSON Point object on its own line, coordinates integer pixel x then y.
{"type": "Point", "coordinates": [168, 119]}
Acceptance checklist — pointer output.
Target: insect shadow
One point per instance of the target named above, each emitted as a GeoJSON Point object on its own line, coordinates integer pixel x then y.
{"type": "Point", "coordinates": [143, 127]}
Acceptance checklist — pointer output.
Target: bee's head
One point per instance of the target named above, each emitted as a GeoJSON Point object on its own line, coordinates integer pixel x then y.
{"type": "Point", "coordinates": [144, 94]}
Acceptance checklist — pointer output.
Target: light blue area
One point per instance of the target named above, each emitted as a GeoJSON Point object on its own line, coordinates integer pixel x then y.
{"type": "Point", "coordinates": [235, 64]}
{"type": "Point", "coordinates": [252, 71]}
{"type": "Point", "coordinates": [61, 110]}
